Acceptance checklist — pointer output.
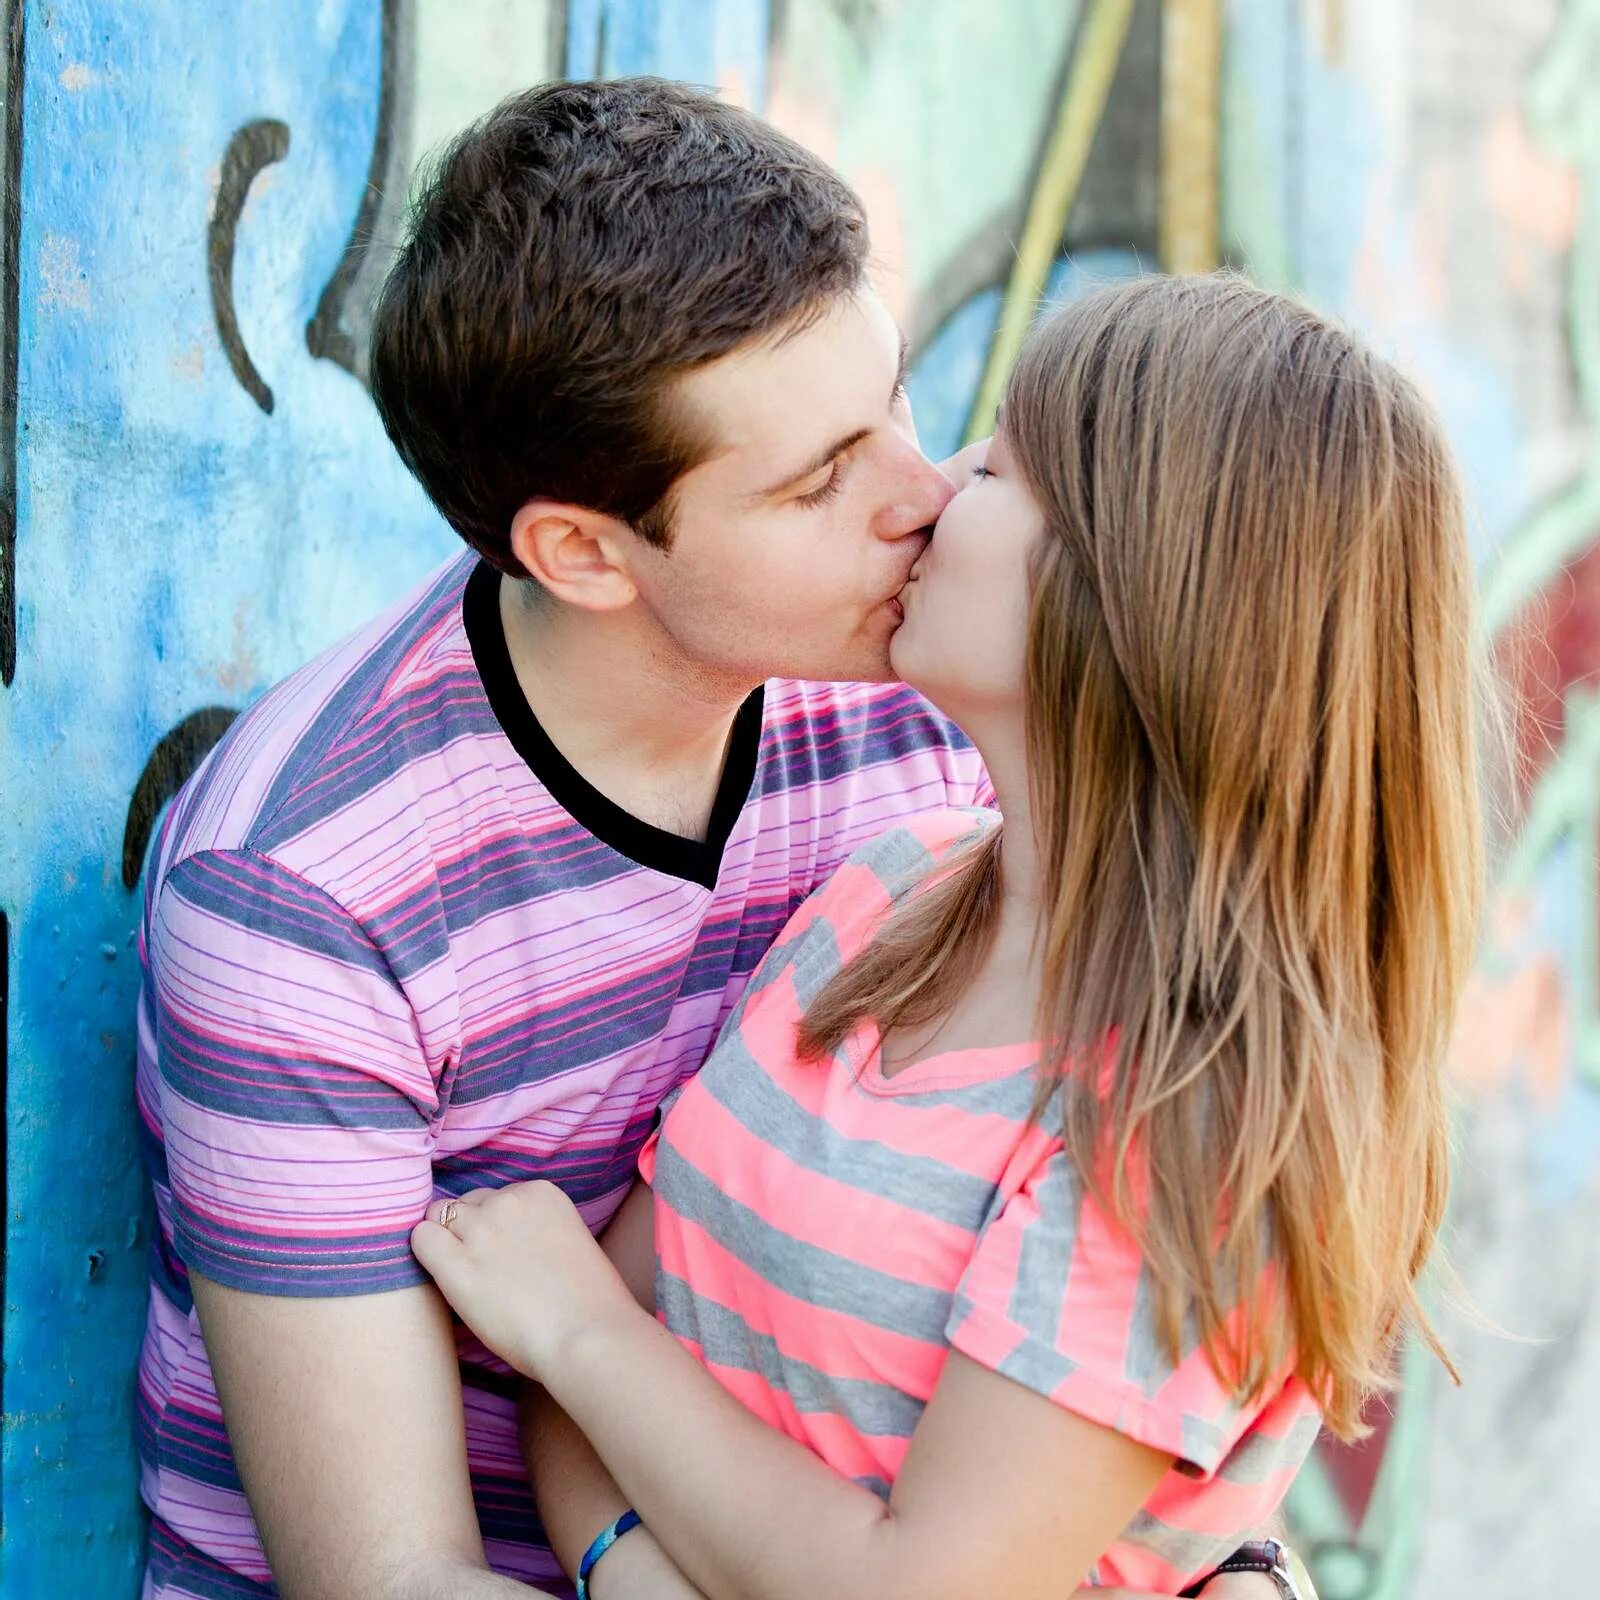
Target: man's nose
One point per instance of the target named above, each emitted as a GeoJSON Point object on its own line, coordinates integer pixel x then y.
{"type": "Point", "coordinates": [922, 491]}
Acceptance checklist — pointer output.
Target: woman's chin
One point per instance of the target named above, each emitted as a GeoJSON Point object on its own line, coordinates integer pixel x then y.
{"type": "Point", "coordinates": [902, 660]}
{"type": "Point", "coordinates": [905, 661]}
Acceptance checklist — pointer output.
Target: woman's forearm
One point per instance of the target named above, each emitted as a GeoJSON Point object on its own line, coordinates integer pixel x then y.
{"type": "Point", "coordinates": [1000, 1488]}
{"type": "Point", "coordinates": [747, 1513]}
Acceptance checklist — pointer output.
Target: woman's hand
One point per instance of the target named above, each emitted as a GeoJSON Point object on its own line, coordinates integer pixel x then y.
{"type": "Point", "coordinates": [522, 1270]}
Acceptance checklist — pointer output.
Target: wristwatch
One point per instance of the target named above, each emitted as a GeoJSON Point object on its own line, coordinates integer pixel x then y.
{"type": "Point", "coordinates": [1268, 1557]}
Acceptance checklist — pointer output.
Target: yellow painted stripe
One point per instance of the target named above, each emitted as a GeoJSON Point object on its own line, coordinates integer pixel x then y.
{"type": "Point", "coordinates": [1083, 102]}
{"type": "Point", "coordinates": [1191, 108]}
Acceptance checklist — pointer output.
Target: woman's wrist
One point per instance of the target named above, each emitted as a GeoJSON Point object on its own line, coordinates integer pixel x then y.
{"type": "Point", "coordinates": [558, 1345]}
{"type": "Point", "coordinates": [574, 1359]}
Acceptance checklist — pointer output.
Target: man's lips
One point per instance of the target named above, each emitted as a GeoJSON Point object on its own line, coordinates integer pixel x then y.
{"type": "Point", "coordinates": [896, 600]}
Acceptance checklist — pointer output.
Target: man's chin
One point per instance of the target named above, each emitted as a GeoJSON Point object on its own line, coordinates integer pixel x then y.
{"type": "Point", "coordinates": [866, 658]}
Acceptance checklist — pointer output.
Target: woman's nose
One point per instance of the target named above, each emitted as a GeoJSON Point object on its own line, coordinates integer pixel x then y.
{"type": "Point", "coordinates": [958, 468]}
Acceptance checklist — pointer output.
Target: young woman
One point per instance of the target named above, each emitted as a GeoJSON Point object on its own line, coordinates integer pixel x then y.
{"type": "Point", "coordinates": [1056, 1178]}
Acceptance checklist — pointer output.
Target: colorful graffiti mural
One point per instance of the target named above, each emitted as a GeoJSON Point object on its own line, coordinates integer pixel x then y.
{"type": "Point", "coordinates": [195, 495]}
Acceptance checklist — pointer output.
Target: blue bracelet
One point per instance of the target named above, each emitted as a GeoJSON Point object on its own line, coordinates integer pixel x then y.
{"type": "Point", "coordinates": [626, 1523]}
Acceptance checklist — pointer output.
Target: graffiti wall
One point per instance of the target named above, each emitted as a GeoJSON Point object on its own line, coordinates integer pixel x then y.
{"type": "Point", "coordinates": [1429, 170]}
{"type": "Point", "coordinates": [195, 495]}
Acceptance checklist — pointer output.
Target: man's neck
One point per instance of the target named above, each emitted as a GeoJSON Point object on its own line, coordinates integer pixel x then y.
{"type": "Point", "coordinates": [647, 730]}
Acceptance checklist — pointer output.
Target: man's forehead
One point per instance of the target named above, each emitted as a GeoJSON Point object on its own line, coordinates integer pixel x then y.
{"type": "Point", "coordinates": [780, 399]}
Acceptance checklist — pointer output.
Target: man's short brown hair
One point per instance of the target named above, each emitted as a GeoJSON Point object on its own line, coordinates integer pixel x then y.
{"type": "Point", "coordinates": [571, 254]}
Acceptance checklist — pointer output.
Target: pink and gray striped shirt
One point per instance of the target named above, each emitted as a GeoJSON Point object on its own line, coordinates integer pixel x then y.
{"type": "Point", "coordinates": [395, 946]}
{"type": "Point", "coordinates": [825, 1235]}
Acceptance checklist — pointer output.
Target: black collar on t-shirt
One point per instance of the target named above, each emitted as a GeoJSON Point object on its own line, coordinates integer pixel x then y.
{"type": "Point", "coordinates": [650, 846]}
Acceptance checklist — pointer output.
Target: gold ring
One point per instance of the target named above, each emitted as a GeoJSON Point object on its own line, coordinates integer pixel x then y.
{"type": "Point", "coordinates": [447, 1214]}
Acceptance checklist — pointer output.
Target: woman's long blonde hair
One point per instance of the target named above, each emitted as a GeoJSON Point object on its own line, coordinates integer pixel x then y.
{"type": "Point", "coordinates": [1253, 771]}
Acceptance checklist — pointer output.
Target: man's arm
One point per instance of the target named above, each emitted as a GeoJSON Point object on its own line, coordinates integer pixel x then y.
{"type": "Point", "coordinates": [576, 1496]}
{"type": "Point", "coordinates": [297, 1106]}
{"type": "Point", "coordinates": [346, 1422]}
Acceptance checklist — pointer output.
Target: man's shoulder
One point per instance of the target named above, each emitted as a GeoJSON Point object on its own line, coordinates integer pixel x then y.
{"type": "Point", "coordinates": [863, 725]}
{"type": "Point", "coordinates": [849, 760]}
{"type": "Point", "coordinates": [334, 731]}
{"type": "Point", "coordinates": [910, 850]}
{"type": "Point", "coordinates": [815, 696]}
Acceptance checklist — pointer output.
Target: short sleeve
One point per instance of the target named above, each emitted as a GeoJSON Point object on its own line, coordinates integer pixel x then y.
{"type": "Point", "coordinates": [297, 1107]}
{"type": "Point", "coordinates": [1057, 1298]}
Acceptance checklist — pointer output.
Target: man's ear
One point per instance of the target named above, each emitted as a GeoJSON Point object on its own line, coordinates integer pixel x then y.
{"type": "Point", "coordinates": [575, 554]}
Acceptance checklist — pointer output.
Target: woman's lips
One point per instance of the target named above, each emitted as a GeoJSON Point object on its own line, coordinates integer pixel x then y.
{"type": "Point", "coordinates": [898, 600]}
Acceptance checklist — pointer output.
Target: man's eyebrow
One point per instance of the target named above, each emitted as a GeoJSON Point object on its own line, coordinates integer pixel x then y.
{"type": "Point", "coordinates": [814, 465]}
{"type": "Point", "coordinates": [839, 446]}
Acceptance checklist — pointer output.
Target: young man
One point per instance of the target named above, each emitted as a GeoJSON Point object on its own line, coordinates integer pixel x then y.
{"type": "Point", "coordinates": [462, 900]}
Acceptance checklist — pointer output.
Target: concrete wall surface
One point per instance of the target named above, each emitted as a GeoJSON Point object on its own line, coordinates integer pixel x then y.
{"type": "Point", "coordinates": [195, 496]}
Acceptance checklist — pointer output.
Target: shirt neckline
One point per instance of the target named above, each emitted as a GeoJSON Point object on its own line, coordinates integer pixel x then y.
{"type": "Point", "coordinates": [944, 1069]}
{"type": "Point", "coordinates": [692, 860]}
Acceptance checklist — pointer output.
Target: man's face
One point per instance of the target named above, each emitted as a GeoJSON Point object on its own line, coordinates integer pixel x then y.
{"type": "Point", "coordinates": [792, 540]}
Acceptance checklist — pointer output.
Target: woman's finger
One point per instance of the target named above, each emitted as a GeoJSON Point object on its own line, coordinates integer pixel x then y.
{"type": "Point", "coordinates": [1240, 1586]}
{"type": "Point", "coordinates": [450, 1211]}
{"type": "Point", "coordinates": [1088, 1592]}
{"type": "Point", "coordinates": [1223, 1586]}
{"type": "Point", "coordinates": [433, 1246]}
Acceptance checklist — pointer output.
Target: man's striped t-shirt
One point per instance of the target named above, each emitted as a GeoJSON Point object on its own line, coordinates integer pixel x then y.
{"type": "Point", "coordinates": [395, 946]}
{"type": "Point", "coordinates": [826, 1234]}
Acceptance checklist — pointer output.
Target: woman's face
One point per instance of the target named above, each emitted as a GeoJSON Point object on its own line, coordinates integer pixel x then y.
{"type": "Point", "coordinates": [963, 642]}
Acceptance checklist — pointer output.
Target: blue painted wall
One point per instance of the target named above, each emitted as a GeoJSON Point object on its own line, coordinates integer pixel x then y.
{"type": "Point", "coordinates": [177, 547]}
